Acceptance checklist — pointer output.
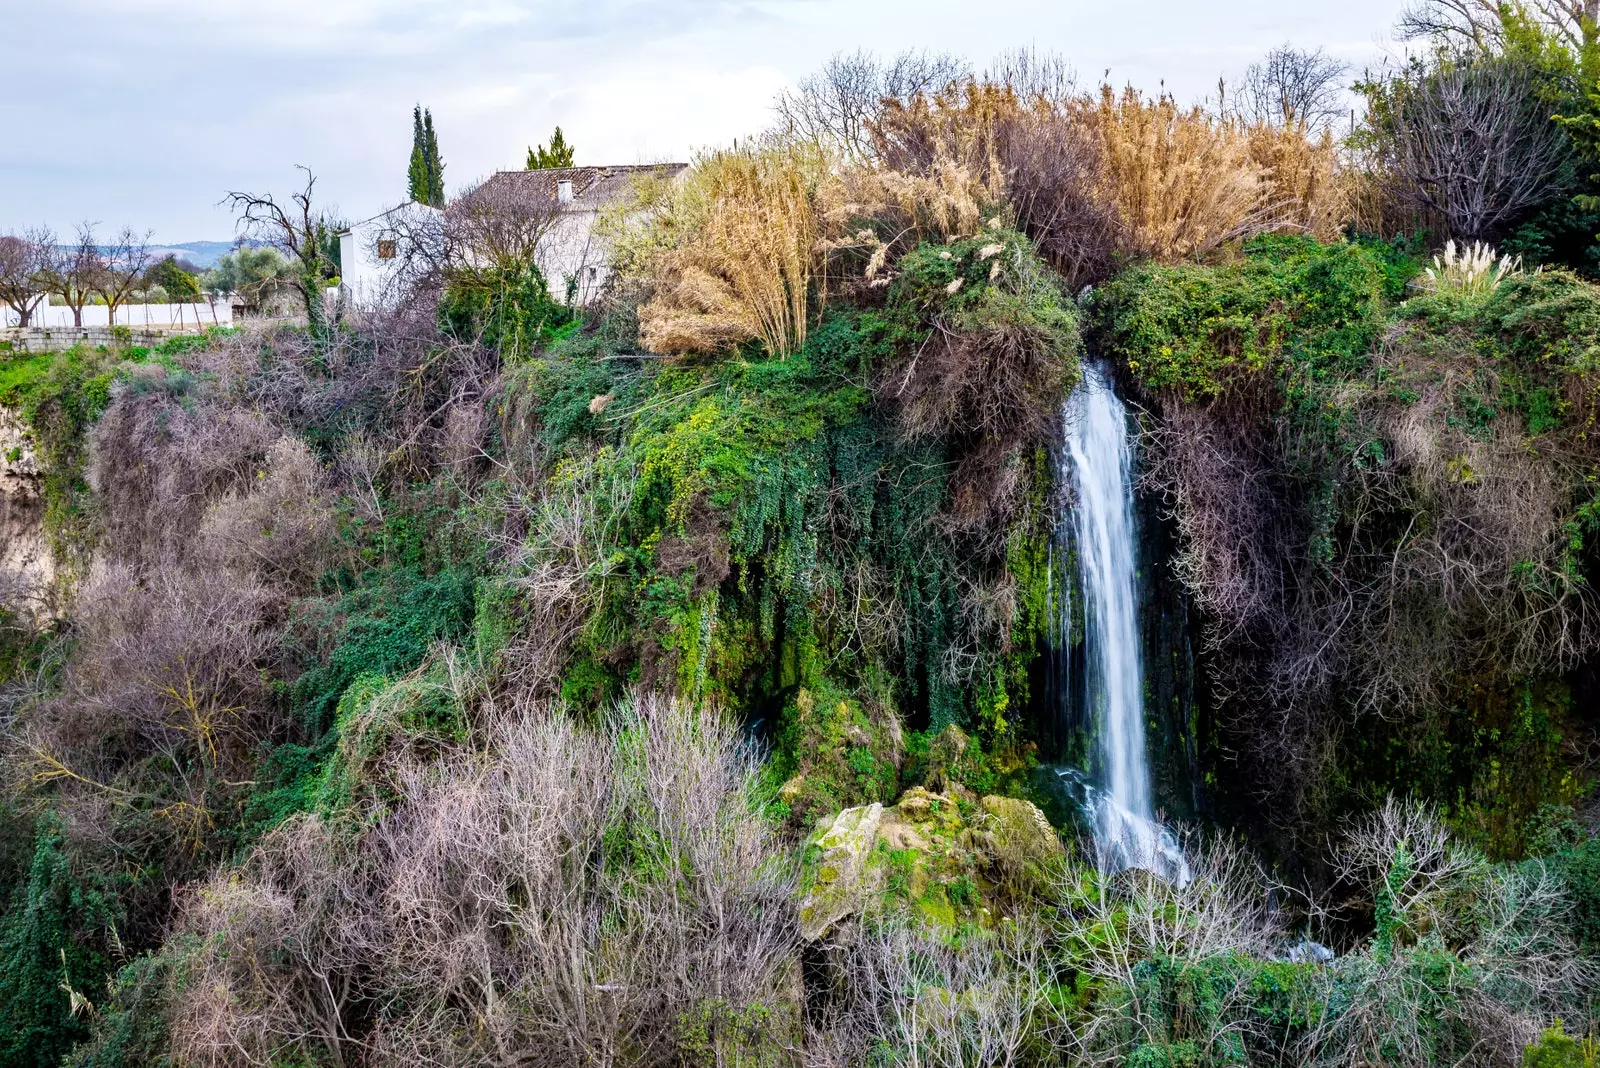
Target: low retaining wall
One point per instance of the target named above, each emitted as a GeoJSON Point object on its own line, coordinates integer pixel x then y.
{"type": "Point", "coordinates": [26, 340]}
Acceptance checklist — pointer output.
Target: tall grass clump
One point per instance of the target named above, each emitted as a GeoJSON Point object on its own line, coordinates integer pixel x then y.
{"type": "Point", "coordinates": [1183, 181]}
{"type": "Point", "coordinates": [1473, 269]}
{"type": "Point", "coordinates": [735, 252]}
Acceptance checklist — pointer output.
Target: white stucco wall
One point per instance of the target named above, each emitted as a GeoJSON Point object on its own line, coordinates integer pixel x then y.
{"type": "Point", "coordinates": [369, 279]}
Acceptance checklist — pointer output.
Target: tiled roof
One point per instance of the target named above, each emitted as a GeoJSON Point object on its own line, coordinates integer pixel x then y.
{"type": "Point", "coordinates": [592, 187]}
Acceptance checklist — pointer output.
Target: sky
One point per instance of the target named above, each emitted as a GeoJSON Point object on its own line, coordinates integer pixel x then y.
{"type": "Point", "coordinates": [146, 112]}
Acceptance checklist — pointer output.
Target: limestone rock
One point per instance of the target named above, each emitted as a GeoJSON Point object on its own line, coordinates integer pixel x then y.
{"type": "Point", "coordinates": [1022, 844]}
{"type": "Point", "coordinates": [841, 886]}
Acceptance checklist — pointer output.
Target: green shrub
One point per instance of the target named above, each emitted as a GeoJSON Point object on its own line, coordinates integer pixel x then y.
{"type": "Point", "coordinates": [54, 928]}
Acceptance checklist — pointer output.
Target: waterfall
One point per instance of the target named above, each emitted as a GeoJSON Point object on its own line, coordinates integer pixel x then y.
{"type": "Point", "coordinates": [1098, 461]}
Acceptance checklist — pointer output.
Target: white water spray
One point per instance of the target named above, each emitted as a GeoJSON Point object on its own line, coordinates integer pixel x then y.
{"type": "Point", "coordinates": [1099, 460]}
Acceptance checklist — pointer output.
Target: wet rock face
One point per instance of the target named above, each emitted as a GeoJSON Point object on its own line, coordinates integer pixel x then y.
{"type": "Point", "coordinates": [942, 858]}
{"type": "Point", "coordinates": [24, 552]}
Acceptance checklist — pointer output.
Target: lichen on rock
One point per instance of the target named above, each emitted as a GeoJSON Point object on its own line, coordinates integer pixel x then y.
{"type": "Point", "coordinates": [839, 886]}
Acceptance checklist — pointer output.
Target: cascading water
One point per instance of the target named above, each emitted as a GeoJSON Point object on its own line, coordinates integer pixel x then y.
{"type": "Point", "coordinates": [1098, 460]}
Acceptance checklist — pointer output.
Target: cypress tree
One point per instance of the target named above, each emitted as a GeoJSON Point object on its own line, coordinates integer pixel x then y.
{"type": "Point", "coordinates": [434, 162]}
{"type": "Point", "coordinates": [417, 185]}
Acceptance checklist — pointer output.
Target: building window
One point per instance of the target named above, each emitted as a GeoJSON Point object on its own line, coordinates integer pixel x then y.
{"type": "Point", "coordinates": [386, 247]}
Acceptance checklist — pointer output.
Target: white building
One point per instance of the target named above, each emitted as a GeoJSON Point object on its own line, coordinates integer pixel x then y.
{"type": "Point", "coordinates": [561, 205]}
{"type": "Point", "coordinates": [571, 255]}
{"type": "Point", "coordinates": [372, 252]}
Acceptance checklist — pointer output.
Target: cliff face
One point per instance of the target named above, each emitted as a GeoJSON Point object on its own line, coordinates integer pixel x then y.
{"type": "Point", "coordinates": [24, 550]}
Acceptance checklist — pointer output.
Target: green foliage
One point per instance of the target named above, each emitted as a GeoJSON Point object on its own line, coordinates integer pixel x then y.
{"type": "Point", "coordinates": [181, 286]}
{"type": "Point", "coordinates": [425, 172]}
{"type": "Point", "coordinates": [382, 628]}
{"type": "Point", "coordinates": [1557, 1049]}
{"type": "Point", "coordinates": [558, 154]}
{"type": "Point", "coordinates": [1579, 868]}
{"type": "Point", "coordinates": [130, 1028]}
{"type": "Point", "coordinates": [513, 313]}
{"type": "Point", "coordinates": [1291, 307]}
{"type": "Point", "coordinates": [54, 927]}
{"type": "Point", "coordinates": [251, 271]}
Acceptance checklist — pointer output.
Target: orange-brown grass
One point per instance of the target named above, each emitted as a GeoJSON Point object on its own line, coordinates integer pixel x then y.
{"type": "Point", "coordinates": [1183, 181]}
{"type": "Point", "coordinates": [1308, 191]}
{"type": "Point", "coordinates": [740, 251]}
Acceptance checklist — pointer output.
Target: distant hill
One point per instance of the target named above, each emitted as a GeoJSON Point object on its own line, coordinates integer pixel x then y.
{"type": "Point", "coordinates": [199, 253]}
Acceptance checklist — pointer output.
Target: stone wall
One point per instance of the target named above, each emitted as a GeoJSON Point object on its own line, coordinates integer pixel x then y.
{"type": "Point", "coordinates": [19, 340]}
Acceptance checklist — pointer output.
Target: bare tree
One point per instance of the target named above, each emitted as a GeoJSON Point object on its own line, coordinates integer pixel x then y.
{"type": "Point", "coordinates": [1033, 75]}
{"type": "Point", "coordinates": [77, 271]}
{"type": "Point", "coordinates": [123, 264]}
{"type": "Point", "coordinates": [25, 267]}
{"type": "Point", "coordinates": [297, 231]}
{"type": "Point", "coordinates": [1291, 87]}
{"type": "Point", "coordinates": [1481, 24]}
{"type": "Point", "coordinates": [1467, 137]}
{"type": "Point", "coordinates": [838, 103]}
{"type": "Point", "coordinates": [501, 223]}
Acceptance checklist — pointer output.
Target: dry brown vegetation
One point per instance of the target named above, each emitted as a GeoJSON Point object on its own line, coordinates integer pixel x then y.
{"type": "Point", "coordinates": [553, 895]}
{"type": "Point", "coordinates": [742, 254]}
{"type": "Point", "coordinates": [752, 243]}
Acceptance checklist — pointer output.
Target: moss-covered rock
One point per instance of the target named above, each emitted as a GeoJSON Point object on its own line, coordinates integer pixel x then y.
{"type": "Point", "coordinates": [839, 885]}
{"type": "Point", "coordinates": [1023, 845]}
{"type": "Point", "coordinates": [941, 857]}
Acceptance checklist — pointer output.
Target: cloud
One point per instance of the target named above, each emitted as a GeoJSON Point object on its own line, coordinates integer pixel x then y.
{"type": "Point", "coordinates": [146, 111]}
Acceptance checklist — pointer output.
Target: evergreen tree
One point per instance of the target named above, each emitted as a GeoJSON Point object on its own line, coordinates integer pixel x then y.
{"type": "Point", "coordinates": [417, 174]}
{"type": "Point", "coordinates": [559, 154]}
{"type": "Point", "coordinates": [425, 175]}
{"type": "Point", "coordinates": [435, 163]}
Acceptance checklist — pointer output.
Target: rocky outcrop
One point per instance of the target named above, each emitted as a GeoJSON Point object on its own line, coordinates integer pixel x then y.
{"type": "Point", "coordinates": [942, 857]}
{"type": "Point", "coordinates": [840, 883]}
{"type": "Point", "coordinates": [25, 564]}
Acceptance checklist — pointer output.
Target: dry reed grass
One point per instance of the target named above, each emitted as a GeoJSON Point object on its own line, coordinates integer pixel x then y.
{"type": "Point", "coordinates": [1183, 181]}
{"type": "Point", "coordinates": [739, 266]}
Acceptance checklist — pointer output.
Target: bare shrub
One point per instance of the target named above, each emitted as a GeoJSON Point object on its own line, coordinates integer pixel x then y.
{"type": "Point", "coordinates": [281, 959]}
{"type": "Point", "coordinates": [1461, 556]}
{"type": "Point", "coordinates": [1226, 912]}
{"type": "Point", "coordinates": [509, 935]}
{"type": "Point", "coordinates": [915, 996]}
{"type": "Point", "coordinates": [742, 234]}
{"type": "Point", "coordinates": [282, 529]}
{"type": "Point", "coordinates": [1468, 137]}
{"type": "Point", "coordinates": [156, 463]}
{"type": "Point", "coordinates": [1515, 962]}
{"type": "Point", "coordinates": [561, 895]}
{"type": "Point", "coordinates": [162, 704]}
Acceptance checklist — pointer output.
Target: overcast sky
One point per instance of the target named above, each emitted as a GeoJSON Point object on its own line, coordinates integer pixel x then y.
{"type": "Point", "coordinates": [147, 111]}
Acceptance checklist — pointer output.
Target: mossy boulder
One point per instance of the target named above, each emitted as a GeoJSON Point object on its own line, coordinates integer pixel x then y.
{"type": "Point", "coordinates": [839, 883]}
{"type": "Point", "coordinates": [1023, 846]}
{"type": "Point", "coordinates": [945, 859]}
